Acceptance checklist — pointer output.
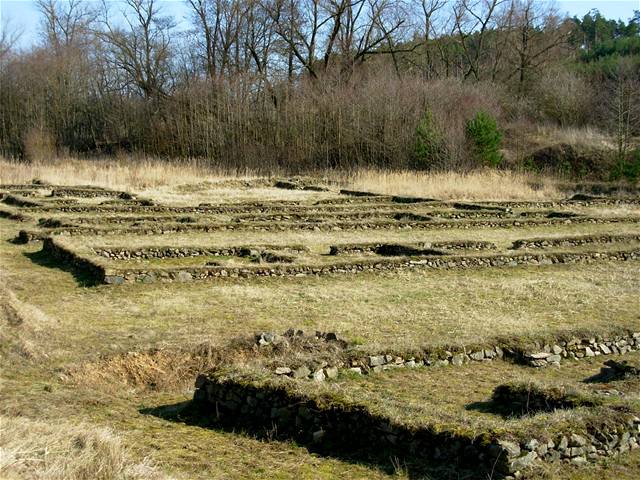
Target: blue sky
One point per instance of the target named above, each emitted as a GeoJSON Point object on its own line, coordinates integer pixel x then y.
{"type": "Point", "coordinates": [23, 15]}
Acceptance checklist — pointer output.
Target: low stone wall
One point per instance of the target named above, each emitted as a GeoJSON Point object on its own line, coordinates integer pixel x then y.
{"type": "Point", "coordinates": [532, 243]}
{"type": "Point", "coordinates": [534, 355]}
{"type": "Point", "coordinates": [116, 253]}
{"type": "Point", "coordinates": [155, 229]}
{"type": "Point", "coordinates": [149, 275]}
{"type": "Point", "coordinates": [13, 215]}
{"type": "Point", "coordinates": [78, 263]}
{"type": "Point", "coordinates": [89, 192]}
{"type": "Point", "coordinates": [334, 426]}
{"type": "Point", "coordinates": [346, 248]}
{"type": "Point", "coordinates": [20, 201]}
{"type": "Point", "coordinates": [583, 348]}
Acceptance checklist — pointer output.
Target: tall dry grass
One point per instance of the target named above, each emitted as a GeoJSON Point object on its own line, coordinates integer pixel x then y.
{"type": "Point", "coordinates": [145, 175]}
{"type": "Point", "coordinates": [38, 450]}
{"type": "Point", "coordinates": [126, 173]}
{"type": "Point", "coordinates": [474, 185]}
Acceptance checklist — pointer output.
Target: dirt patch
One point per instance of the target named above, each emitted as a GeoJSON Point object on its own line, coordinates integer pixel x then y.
{"type": "Point", "coordinates": [173, 369]}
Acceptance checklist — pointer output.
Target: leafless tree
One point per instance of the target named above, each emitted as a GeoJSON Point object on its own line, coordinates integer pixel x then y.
{"type": "Point", "coordinates": [8, 39]}
{"type": "Point", "coordinates": [534, 32]}
{"type": "Point", "coordinates": [141, 52]}
{"type": "Point", "coordinates": [66, 24]}
{"type": "Point", "coordinates": [473, 20]}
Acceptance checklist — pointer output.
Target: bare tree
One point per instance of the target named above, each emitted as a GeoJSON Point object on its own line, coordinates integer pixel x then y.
{"type": "Point", "coordinates": [142, 52]}
{"type": "Point", "coordinates": [622, 106]}
{"type": "Point", "coordinates": [536, 31]}
{"type": "Point", "coordinates": [66, 24]}
{"type": "Point", "coordinates": [8, 39]}
{"type": "Point", "coordinates": [473, 21]}
{"type": "Point", "coordinates": [316, 32]}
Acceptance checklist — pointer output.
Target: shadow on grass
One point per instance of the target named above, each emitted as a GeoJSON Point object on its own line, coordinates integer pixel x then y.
{"type": "Point", "coordinates": [613, 371]}
{"type": "Point", "coordinates": [42, 259]}
{"type": "Point", "coordinates": [413, 466]}
{"type": "Point", "coordinates": [502, 410]}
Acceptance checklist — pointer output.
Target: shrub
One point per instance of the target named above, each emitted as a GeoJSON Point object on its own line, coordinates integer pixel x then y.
{"type": "Point", "coordinates": [563, 96]}
{"type": "Point", "coordinates": [482, 131]}
{"type": "Point", "coordinates": [628, 168]}
{"type": "Point", "coordinates": [429, 147]}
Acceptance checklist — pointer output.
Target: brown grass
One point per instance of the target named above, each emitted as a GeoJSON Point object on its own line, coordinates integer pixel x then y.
{"type": "Point", "coordinates": [475, 185]}
{"type": "Point", "coordinates": [167, 180]}
{"type": "Point", "coordinates": [65, 451]}
{"type": "Point", "coordinates": [126, 173]}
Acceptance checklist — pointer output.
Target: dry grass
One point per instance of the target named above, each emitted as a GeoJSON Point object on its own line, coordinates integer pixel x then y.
{"type": "Point", "coordinates": [475, 185]}
{"type": "Point", "coordinates": [46, 451]}
{"type": "Point", "coordinates": [587, 137]}
{"type": "Point", "coordinates": [445, 396]}
{"type": "Point", "coordinates": [320, 241]}
{"type": "Point", "coordinates": [166, 181]}
{"type": "Point", "coordinates": [129, 173]}
{"type": "Point", "coordinates": [20, 326]}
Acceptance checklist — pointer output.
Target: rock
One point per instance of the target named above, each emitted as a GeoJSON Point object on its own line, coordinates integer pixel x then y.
{"type": "Point", "coordinates": [377, 360]}
{"type": "Point", "coordinates": [554, 359]}
{"type": "Point", "coordinates": [538, 363]}
{"type": "Point", "coordinates": [575, 451]}
{"type": "Point", "coordinates": [563, 444]}
{"type": "Point", "coordinates": [556, 349]}
{"type": "Point", "coordinates": [523, 461]}
{"type": "Point", "coordinates": [512, 448]}
{"type": "Point", "coordinates": [457, 359]}
{"type": "Point", "coordinates": [331, 372]}
{"type": "Point", "coordinates": [477, 355]}
{"type": "Point", "coordinates": [579, 461]}
{"type": "Point", "coordinates": [542, 449]}
{"type": "Point", "coordinates": [531, 444]}
{"type": "Point", "coordinates": [588, 352]}
{"type": "Point", "coordinates": [604, 349]}
{"type": "Point", "coordinates": [539, 355]}
{"type": "Point", "coordinates": [319, 375]}
{"type": "Point", "coordinates": [356, 370]}
{"type": "Point", "coordinates": [577, 440]}
{"type": "Point", "coordinates": [184, 277]}
{"type": "Point", "coordinates": [302, 372]}
{"type": "Point", "coordinates": [283, 371]}
{"type": "Point", "coordinates": [318, 435]}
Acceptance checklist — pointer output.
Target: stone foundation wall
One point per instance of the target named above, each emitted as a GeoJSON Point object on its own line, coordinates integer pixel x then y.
{"type": "Point", "coordinates": [345, 428]}
{"type": "Point", "coordinates": [20, 201]}
{"type": "Point", "coordinates": [89, 192]}
{"type": "Point", "coordinates": [336, 427]}
{"type": "Point", "coordinates": [445, 262]}
{"type": "Point", "coordinates": [70, 258]}
{"type": "Point", "coordinates": [534, 355]}
{"type": "Point", "coordinates": [573, 241]}
{"type": "Point", "coordinates": [181, 252]}
{"type": "Point", "coordinates": [157, 229]}
{"type": "Point", "coordinates": [373, 247]}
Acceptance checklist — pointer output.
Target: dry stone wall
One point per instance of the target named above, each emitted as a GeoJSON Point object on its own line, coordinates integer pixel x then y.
{"type": "Point", "coordinates": [531, 243]}
{"type": "Point", "coordinates": [332, 425]}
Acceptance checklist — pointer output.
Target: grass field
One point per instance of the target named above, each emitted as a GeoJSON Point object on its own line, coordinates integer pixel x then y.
{"type": "Point", "coordinates": [65, 344]}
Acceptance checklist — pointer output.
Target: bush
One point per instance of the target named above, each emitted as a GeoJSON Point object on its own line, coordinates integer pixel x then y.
{"type": "Point", "coordinates": [563, 96]}
{"type": "Point", "coordinates": [429, 149]}
{"type": "Point", "coordinates": [628, 168]}
{"type": "Point", "coordinates": [482, 131]}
